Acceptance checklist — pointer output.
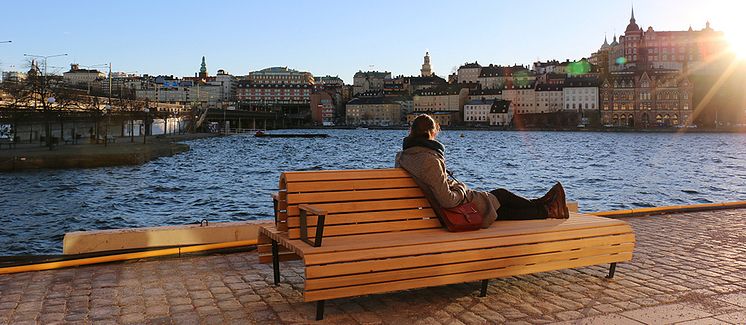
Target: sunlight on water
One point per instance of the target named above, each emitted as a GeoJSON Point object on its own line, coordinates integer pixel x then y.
{"type": "Point", "coordinates": [231, 178]}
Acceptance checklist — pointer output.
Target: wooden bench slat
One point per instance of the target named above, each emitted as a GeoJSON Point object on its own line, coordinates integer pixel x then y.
{"type": "Point", "coordinates": [498, 229]}
{"type": "Point", "coordinates": [363, 195]}
{"type": "Point", "coordinates": [365, 184]}
{"type": "Point", "coordinates": [463, 267]}
{"type": "Point", "coordinates": [382, 205]}
{"type": "Point", "coordinates": [354, 218]}
{"type": "Point", "coordinates": [461, 277]}
{"type": "Point", "coordinates": [445, 245]}
{"type": "Point", "coordinates": [369, 266]}
{"type": "Point", "coordinates": [328, 175]}
{"type": "Point", "coordinates": [369, 228]}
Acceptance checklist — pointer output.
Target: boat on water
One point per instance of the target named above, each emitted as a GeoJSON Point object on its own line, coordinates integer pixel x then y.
{"type": "Point", "coordinates": [261, 134]}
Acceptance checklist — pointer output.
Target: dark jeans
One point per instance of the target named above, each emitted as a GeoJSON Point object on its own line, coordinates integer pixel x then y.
{"type": "Point", "coordinates": [514, 207]}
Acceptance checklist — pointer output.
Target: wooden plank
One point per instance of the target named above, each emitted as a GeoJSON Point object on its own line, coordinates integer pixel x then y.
{"type": "Point", "coordinates": [461, 277]}
{"type": "Point", "coordinates": [286, 256]}
{"type": "Point", "coordinates": [464, 267]}
{"type": "Point", "coordinates": [353, 185]}
{"type": "Point", "coordinates": [455, 245]}
{"type": "Point", "coordinates": [382, 205]}
{"type": "Point", "coordinates": [353, 218]}
{"type": "Point", "coordinates": [368, 266]}
{"type": "Point", "coordinates": [328, 175]}
{"type": "Point", "coordinates": [345, 196]}
{"type": "Point", "coordinates": [368, 228]}
{"type": "Point", "coordinates": [498, 229]}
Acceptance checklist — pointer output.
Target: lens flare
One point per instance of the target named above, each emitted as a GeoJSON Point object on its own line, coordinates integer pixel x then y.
{"type": "Point", "coordinates": [737, 41]}
{"type": "Point", "coordinates": [621, 60]}
{"type": "Point", "coordinates": [578, 68]}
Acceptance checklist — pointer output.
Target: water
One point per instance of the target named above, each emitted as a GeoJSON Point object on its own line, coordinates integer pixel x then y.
{"type": "Point", "coordinates": [231, 178]}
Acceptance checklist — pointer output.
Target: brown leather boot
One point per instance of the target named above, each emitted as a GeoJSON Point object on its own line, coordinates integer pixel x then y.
{"type": "Point", "coordinates": [548, 196]}
{"type": "Point", "coordinates": [557, 205]}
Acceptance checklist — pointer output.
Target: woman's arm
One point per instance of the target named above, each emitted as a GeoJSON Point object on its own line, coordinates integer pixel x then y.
{"type": "Point", "coordinates": [434, 175]}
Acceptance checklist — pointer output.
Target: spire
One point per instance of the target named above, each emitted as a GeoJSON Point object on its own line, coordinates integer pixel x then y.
{"type": "Point", "coordinates": [203, 69]}
{"type": "Point", "coordinates": [632, 19]}
{"type": "Point", "coordinates": [426, 70]}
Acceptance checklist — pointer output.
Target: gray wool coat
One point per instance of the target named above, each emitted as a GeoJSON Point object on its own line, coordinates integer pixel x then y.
{"type": "Point", "coordinates": [430, 169]}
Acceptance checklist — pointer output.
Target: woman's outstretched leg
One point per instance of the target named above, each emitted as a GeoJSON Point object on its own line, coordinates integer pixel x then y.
{"type": "Point", "coordinates": [514, 207]}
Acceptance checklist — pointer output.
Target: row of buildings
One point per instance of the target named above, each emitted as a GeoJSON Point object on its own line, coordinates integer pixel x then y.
{"type": "Point", "coordinates": [643, 78]}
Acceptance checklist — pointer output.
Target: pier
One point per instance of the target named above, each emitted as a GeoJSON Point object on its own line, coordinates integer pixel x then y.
{"type": "Point", "coordinates": [687, 267]}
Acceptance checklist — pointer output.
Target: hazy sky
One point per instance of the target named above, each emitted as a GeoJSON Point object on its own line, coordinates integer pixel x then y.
{"type": "Point", "coordinates": [329, 37]}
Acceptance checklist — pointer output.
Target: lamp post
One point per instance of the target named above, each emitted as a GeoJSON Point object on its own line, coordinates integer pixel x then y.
{"type": "Point", "coordinates": [145, 125]}
{"type": "Point", "coordinates": [107, 112]}
{"type": "Point", "coordinates": [51, 101]}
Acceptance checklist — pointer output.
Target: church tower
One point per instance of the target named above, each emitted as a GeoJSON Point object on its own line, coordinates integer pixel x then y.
{"type": "Point", "coordinates": [426, 71]}
{"type": "Point", "coordinates": [203, 69]}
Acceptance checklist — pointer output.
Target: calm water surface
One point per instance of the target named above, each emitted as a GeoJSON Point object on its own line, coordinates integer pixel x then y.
{"type": "Point", "coordinates": [231, 178]}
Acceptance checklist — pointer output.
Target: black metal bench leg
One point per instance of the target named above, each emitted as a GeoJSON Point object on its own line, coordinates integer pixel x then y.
{"type": "Point", "coordinates": [483, 292]}
{"type": "Point", "coordinates": [320, 310]}
{"type": "Point", "coordinates": [612, 268]}
{"type": "Point", "coordinates": [276, 262]}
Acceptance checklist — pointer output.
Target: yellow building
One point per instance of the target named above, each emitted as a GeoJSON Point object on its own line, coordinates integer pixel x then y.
{"type": "Point", "coordinates": [378, 111]}
{"type": "Point", "coordinates": [447, 100]}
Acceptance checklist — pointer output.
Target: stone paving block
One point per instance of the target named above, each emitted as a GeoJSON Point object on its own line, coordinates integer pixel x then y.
{"type": "Point", "coordinates": [666, 314]}
{"type": "Point", "coordinates": [733, 318]}
{"type": "Point", "coordinates": [704, 321]}
{"type": "Point", "coordinates": [738, 299]}
{"type": "Point", "coordinates": [603, 319]}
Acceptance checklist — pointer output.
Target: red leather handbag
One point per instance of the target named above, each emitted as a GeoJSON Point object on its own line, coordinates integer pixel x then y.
{"type": "Point", "coordinates": [464, 217]}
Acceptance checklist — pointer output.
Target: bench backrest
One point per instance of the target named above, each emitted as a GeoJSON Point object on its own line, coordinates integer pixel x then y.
{"type": "Point", "coordinates": [357, 202]}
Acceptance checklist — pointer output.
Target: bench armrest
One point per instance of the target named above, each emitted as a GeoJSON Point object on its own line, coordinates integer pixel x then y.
{"type": "Point", "coordinates": [321, 214]}
{"type": "Point", "coordinates": [312, 209]}
{"type": "Point", "coordinates": [275, 202]}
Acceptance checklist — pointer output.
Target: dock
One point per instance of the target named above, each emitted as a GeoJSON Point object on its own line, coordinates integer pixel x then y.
{"type": "Point", "coordinates": [687, 267]}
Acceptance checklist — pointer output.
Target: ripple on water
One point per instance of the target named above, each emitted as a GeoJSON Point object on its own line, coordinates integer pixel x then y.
{"type": "Point", "coordinates": [230, 178]}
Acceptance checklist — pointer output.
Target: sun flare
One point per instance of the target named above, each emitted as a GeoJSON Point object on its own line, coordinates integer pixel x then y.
{"type": "Point", "coordinates": [737, 41]}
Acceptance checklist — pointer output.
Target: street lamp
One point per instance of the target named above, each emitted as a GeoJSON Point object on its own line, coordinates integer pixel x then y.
{"type": "Point", "coordinates": [107, 112]}
{"type": "Point", "coordinates": [51, 101]}
{"type": "Point", "coordinates": [145, 125]}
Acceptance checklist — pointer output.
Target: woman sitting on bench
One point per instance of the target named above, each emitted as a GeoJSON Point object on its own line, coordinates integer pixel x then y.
{"type": "Point", "coordinates": [424, 158]}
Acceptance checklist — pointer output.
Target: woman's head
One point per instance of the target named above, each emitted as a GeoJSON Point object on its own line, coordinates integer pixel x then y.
{"type": "Point", "coordinates": [424, 126]}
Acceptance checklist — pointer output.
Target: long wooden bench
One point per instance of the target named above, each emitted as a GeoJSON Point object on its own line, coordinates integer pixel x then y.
{"type": "Point", "coordinates": [363, 232]}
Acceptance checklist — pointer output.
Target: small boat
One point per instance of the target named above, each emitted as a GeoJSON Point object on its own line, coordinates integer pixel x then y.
{"type": "Point", "coordinates": [261, 134]}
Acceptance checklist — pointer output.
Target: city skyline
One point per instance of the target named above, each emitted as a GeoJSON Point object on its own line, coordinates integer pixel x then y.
{"type": "Point", "coordinates": [303, 36]}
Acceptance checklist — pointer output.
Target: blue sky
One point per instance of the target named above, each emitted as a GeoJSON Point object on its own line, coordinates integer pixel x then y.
{"type": "Point", "coordinates": [329, 37]}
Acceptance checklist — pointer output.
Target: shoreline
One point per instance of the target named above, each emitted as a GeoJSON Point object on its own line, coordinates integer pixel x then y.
{"type": "Point", "coordinates": [534, 129]}
{"type": "Point", "coordinates": [123, 153]}
{"type": "Point", "coordinates": [35, 157]}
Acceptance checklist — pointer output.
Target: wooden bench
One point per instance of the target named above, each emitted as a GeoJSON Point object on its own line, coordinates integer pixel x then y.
{"type": "Point", "coordinates": [363, 232]}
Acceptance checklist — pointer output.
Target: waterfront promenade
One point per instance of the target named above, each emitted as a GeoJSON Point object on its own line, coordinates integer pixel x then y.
{"type": "Point", "coordinates": [122, 151]}
{"type": "Point", "coordinates": [687, 267]}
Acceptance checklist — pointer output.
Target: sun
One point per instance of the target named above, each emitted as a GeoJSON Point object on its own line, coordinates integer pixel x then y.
{"type": "Point", "coordinates": [737, 41]}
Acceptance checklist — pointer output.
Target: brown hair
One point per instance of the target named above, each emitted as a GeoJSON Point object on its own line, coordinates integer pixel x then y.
{"type": "Point", "coordinates": [422, 125]}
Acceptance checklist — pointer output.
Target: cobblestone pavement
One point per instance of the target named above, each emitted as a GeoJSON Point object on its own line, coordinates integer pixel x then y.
{"type": "Point", "coordinates": [686, 268]}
